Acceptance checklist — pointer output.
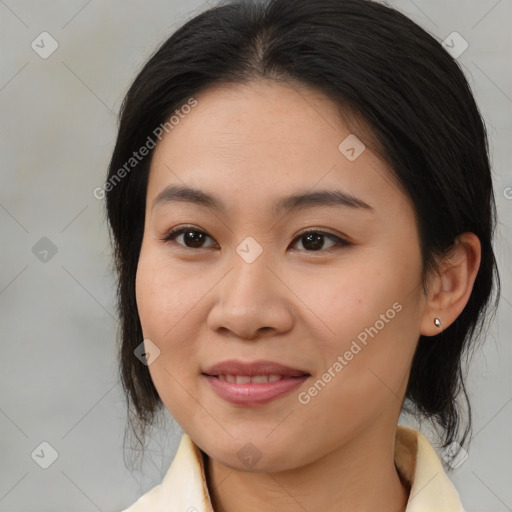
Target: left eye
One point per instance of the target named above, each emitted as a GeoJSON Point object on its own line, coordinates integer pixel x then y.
{"type": "Point", "coordinates": [312, 241]}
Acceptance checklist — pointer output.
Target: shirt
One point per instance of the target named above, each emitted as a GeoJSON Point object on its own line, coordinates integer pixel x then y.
{"type": "Point", "coordinates": [184, 487]}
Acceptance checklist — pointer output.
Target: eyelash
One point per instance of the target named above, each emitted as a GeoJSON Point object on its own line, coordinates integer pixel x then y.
{"type": "Point", "coordinates": [339, 242]}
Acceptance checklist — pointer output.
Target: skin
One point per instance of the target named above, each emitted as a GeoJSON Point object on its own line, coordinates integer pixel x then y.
{"type": "Point", "coordinates": [250, 145]}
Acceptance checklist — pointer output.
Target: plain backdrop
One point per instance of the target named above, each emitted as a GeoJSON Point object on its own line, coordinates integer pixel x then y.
{"type": "Point", "coordinates": [58, 373]}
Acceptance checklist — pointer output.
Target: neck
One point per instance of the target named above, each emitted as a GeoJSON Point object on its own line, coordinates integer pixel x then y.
{"type": "Point", "coordinates": [359, 476]}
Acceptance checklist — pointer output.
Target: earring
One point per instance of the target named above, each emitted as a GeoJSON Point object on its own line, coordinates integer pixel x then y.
{"type": "Point", "coordinates": [437, 322]}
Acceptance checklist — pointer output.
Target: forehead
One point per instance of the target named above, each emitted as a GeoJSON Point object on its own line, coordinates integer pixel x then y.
{"type": "Point", "coordinates": [265, 140]}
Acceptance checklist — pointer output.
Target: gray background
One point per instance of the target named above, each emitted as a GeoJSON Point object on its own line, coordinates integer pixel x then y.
{"type": "Point", "coordinates": [58, 374]}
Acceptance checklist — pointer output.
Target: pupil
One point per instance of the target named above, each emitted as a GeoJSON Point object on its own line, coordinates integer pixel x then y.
{"type": "Point", "coordinates": [315, 241]}
{"type": "Point", "coordinates": [194, 240]}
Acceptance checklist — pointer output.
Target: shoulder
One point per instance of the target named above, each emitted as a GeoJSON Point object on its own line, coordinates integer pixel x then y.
{"type": "Point", "coordinates": [147, 501]}
{"type": "Point", "coordinates": [182, 489]}
{"type": "Point", "coordinates": [418, 463]}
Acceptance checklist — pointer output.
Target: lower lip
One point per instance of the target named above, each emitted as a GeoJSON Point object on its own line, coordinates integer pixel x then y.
{"type": "Point", "coordinates": [254, 393]}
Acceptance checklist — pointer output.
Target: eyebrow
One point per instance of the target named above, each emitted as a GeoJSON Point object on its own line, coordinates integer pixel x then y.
{"type": "Point", "coordinates": [299, 201]}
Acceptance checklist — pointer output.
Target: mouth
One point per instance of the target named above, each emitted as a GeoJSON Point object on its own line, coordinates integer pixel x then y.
{"type": "Point", "coordinates": [258, 379]}
{"type": "Point", "coordinates": [254, 369]}
{"type": "Point", "coordinates": [255, 383]}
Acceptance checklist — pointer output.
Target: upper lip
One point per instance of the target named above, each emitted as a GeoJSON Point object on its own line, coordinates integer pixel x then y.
{"type": "Point", "coordinates": [251, 369]}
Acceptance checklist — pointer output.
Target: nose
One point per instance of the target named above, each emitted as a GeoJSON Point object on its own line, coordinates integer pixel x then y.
{"type": "Point", "coordinates": [251, 301]}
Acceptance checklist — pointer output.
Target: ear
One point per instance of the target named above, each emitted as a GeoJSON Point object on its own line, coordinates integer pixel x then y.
{"type": "Point", "coordinates": [449, 290]}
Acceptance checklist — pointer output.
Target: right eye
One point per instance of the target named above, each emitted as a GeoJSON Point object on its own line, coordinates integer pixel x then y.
{"type": "Point", "coordinates": [193, 238]}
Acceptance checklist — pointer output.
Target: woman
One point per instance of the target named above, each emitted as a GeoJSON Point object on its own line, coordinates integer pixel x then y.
{"type": "Point", "coordinates": [302, 213]}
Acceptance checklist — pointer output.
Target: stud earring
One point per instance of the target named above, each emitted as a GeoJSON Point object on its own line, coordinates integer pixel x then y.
{"type": "Point", "coordinates": [437, 322]}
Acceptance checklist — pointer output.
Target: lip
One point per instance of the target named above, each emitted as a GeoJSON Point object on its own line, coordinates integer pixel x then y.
{"type": "Point", "coordinates": [253, 393]}
{"type": "Point", "coordinates": [260, 367]}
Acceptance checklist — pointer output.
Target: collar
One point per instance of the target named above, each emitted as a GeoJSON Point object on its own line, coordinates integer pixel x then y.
{"type": "Point", "coordinates": [184, 486]}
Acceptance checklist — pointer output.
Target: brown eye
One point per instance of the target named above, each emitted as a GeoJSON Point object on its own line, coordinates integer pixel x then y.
{"type": "Point", "coordinates": [314, 240]}
{"type": "Point", "coordinates": [192, 238]}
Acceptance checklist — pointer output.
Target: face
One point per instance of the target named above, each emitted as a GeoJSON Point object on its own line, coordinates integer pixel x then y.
{"type": "Point", "coordinates": [329, 287]}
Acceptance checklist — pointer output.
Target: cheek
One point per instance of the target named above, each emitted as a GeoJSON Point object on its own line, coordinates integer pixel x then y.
{"type": "Point", "coordinates": [347, 300]}
{"type": "Point", "coordinates": [364, 374]}
{"type": "Point", "coordinates": [151, 295]}
{"type": "Point", "coordinates": [166, 296]}
{"type": "Point", "coordinates": [165, 302]}
{"type": "Point", "coordinates": [371, 319]}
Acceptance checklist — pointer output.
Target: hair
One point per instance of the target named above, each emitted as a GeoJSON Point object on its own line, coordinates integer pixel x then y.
{"type": "Point", "coordinates": [400, 83]}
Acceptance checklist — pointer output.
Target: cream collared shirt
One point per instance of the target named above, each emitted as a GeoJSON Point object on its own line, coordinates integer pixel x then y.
{"type": "Point", "coordinates": [184, 487]}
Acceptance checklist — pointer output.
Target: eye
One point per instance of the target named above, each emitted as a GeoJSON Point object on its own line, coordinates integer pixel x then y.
{"type": "Point", "coordinates": [313, 240]}
{"type": "Point", "coordinates": [193, 238]}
